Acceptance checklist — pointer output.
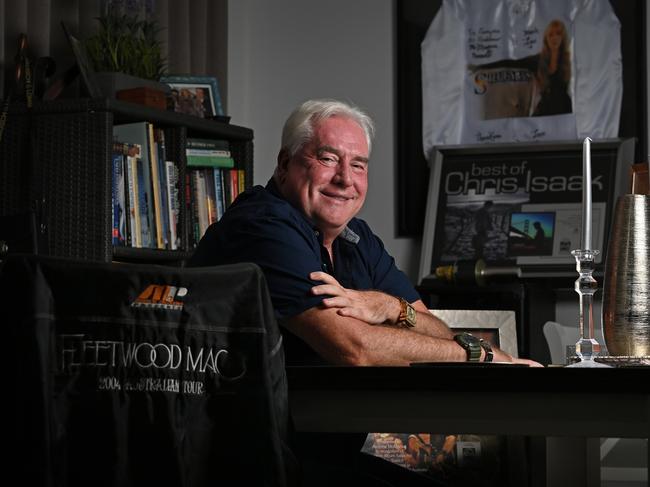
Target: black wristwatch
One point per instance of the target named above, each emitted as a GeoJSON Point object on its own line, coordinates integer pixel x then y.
{"type": "Point", "coordinates": [473, 346]}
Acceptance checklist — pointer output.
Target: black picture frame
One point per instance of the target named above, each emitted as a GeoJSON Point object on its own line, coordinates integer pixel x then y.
{"type": "Point", "coordinates": [208, 85]}
{"type": "Point", "coordinates": [413, 18]}
{"type": "Point", "coordinates": [548, 179]}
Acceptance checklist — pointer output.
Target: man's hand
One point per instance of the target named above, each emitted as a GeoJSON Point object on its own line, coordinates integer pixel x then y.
{"type": "Point", "coordinates": [501, 356]}
{"type": "Point", "coordinates": [525, 361]}
{"type": "Point", "coordinates": [373, 307]}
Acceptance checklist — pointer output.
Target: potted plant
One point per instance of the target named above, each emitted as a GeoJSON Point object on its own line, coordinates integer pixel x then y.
{"type": "Point", "coordinates": [125, 53]}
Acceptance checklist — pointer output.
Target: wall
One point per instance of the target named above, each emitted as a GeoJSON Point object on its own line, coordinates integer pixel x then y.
{"type": "Point", "coordinates": [283, 52]}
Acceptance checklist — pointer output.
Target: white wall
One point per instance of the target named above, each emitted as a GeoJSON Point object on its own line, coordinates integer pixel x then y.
{"type": "Point", "coordinates": [283, 52]}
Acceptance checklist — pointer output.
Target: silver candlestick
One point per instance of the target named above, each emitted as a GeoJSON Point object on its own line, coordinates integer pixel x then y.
{"type": "Point", "coordinates": [586, 286]}
{"type": "Point", "coordinates": [587, 347]}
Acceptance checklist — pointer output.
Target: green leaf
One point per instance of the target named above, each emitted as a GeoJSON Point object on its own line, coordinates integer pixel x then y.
{"type": "Point", "coordinates": [127, 44]}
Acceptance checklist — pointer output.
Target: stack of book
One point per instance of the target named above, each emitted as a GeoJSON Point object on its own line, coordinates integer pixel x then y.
{"type": "Point", "coordinates": [213, 181]}
{"type": "Point", "coordinates": [145, 195]}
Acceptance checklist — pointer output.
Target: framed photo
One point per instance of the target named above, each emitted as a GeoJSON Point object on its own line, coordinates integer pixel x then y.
{"type": "Point", "coordinates": [413, 19]}
{"type": "Point", "coordinates": [519, 204]}
{"type": "Point", "coordinates": [498, 328]}
{"type": "Point", "coordinates": [195, 95]}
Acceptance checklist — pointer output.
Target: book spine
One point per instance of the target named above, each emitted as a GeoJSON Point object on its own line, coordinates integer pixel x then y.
{"type": "Point", "coordinates": [234, 185]}
{"type": "Point", "coordinates": [117, 200]}
{"type": "Point", "coordinates": [155, 200]}
{"type": "Point", "coordinates": [210, 161]}
{"type": "Point", "coordinates": [144, 197]}
{"type": "Point", "coordinates": [201, 201]}
{"type": "Point", "coordinates": [198, 143]}
{"type": "Point", "coordinates": [192, 218]}
{"type": "Point", "coordinates": [164, 200]}
{"type": "Point", "coordinates": [208, 152]}
{"type": "Point", "coordinates": [127, 204]}
{"type": "Point", "coordinates": [210, 195]}
{"type": "Point", "coordinates": [225, 184]}
{"type": "Point", "coordinates": [173, 204]}
{"type": "Point", "coordinates": [241, 180]}
{"type": "Point", "coordinates": [134, 210]}
{"type": "Point", "coordinates": [218, 190]}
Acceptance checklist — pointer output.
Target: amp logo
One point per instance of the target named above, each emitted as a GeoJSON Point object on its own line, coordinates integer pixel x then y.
{"type": "Point", "coordinates": [161, 297]}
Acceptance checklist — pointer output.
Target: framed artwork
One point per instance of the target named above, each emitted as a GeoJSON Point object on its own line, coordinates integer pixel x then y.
{"type": "Point", "coordinates": [519, 204]}
{"type": "Point", "coordinates": [413, 18]}
{"type": "Point", "coordinates": [498, 328]}
{"type": "Point", "coordinates": [195, 95]}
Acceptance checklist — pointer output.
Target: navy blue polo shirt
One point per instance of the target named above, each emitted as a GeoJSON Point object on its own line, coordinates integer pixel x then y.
{"type": "Point", "coordinates": [262, 227]}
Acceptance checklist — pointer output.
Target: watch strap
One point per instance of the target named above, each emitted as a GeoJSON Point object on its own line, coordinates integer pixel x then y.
{"type": "Point", "coordinates": [489, 354]}
{"type": "Point", "coordinates": [471, 344]}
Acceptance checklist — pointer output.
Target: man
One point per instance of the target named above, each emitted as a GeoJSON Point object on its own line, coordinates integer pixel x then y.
{"type": "Point", "coordinates": [333, 285]}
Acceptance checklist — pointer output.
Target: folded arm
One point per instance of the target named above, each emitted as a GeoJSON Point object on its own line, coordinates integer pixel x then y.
{"type": "Point", "coordinates": [343, 340]}
{"type": "Point", "coordinates": [359, 328]}
{"type": "Point", "coordinates": [375, 307]}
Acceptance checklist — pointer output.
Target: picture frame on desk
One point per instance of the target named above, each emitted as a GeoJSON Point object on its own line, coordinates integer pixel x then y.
{"type": "Point", "coordinates": [498, 328]}
{"type": "Point", "coordinates": [490, 202]}
{"type": "Point", "coordinates": [195, 95]}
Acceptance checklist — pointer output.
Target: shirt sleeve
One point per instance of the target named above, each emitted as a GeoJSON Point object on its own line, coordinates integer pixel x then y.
{"type": "Point", "coordinates": [282, 249]}
{"type": "Point", "coordinates": [386, 277]}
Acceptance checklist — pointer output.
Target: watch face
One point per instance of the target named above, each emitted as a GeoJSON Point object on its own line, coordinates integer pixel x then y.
{"type": "Point", "coordinates": [407, 315]}
{"type": "Point", "coordinates": [471, 344]}
{"type": "Point", "coordinates": [410, 314]}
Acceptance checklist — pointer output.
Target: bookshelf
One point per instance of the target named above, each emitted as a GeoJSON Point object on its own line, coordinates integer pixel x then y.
{"type": "Point", "coordinates": [56, 160]}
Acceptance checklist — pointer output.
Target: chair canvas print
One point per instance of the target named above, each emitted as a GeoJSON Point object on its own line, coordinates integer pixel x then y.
{"type": "Point", "coordinates": [144, 375]}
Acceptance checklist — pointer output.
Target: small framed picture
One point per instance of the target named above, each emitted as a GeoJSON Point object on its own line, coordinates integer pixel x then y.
{"type": "Point", "coordinates": [195, 95]}
{"type": "Point", "coordinates": [498, 328]}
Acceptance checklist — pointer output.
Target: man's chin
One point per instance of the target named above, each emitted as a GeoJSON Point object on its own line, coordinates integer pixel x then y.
{"type": "Point", "coordinates": [332, 225]}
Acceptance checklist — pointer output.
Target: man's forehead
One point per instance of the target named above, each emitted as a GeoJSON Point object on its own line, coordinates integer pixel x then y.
{"type": "Point", "coordinates": [341, 133]}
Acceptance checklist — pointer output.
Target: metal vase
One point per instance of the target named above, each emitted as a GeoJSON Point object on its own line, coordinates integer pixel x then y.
{"type": "Point", "coordinates": [626, 288]}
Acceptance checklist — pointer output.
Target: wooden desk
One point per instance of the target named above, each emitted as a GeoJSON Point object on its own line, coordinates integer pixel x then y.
{"type": "Point", "coordinates": [568, 405]}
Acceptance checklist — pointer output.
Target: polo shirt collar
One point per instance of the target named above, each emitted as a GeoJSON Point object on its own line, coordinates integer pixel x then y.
{"type": "Point", "coordinates": [350, 236]}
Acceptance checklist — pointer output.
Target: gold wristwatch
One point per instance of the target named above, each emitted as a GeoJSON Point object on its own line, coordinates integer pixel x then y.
{"type": "Point", "coordinates": [407, 314]}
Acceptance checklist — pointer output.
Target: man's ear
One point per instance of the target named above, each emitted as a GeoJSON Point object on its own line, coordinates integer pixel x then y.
{"type": "Point", "coordinates": [283, 162]}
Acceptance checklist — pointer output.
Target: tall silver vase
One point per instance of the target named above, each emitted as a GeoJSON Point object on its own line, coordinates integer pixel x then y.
{"type": "Point", "coordinates": [626, 288]}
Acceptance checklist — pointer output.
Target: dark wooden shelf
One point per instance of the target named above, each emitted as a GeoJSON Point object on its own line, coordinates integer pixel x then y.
{"type": "Point", "coordinates": [57, 155]}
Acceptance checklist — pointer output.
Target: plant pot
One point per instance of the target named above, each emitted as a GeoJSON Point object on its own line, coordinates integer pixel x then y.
{"type": "Point", "coordinates": [110, 83]}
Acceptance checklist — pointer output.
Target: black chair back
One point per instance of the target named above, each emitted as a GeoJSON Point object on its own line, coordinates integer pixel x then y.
{"type": "Point", "coordinates": [133, 375]}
